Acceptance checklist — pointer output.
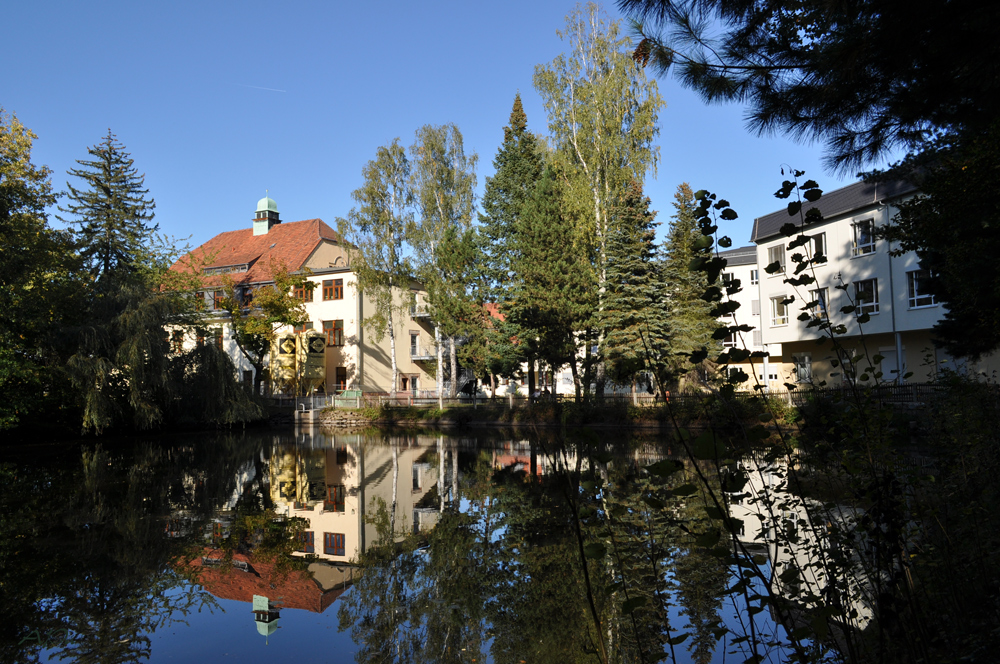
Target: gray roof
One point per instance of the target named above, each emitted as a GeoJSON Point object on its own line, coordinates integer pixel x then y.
{"type": "Point", "coordinates": [741, 256]}
{"type": "Point", "coordinates": [853, 197]}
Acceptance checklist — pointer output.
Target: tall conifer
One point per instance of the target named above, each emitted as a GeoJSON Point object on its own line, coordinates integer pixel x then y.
{"type": "Point", "coordinates": [518, 167]}
{"type": "Point", "coordinates": [690, 316]}
{"type": "Point", "coordinates": [634, 312]}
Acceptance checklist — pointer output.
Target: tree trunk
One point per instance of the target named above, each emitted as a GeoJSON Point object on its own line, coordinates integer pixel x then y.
{"type": "Point", "coordinates": [395, 368]}
{"type": "Point", "coordinates": [531, 380]}
{"type": "Point", "coordinates": [453, 357]}
{"type": "Point", "coordinates": [440, 447]}
{"type": "Point", "coordinates": [576, 377]}
{"type": "Point", "coordinates": [440, 367]}
{"type": "Point", "coordinates": [454, 476]}
{"type": "Point", "coordinates": [395, 482]}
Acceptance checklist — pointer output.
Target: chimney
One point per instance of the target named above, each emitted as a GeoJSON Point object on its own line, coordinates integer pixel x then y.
{"type": "Point", "coordinates": [266, 216]}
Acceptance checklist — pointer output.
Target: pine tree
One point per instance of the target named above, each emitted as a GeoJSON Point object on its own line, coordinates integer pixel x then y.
{"type": "Point", "coordinates": [692, 324]}
{"type": "Point", "coordinates": [634, 312]}
{"type": "Point", "coordinates": [113, 214]}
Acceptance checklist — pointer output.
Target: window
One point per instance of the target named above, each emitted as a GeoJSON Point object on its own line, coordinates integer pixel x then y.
{"type": "Point", "coordinates": [864, 237]}
{"type": "Point", "coordinates": [777, 255]}
{"type": "Point", "coordinates": [217, 297]}
{"type": "Point", "coordinates": [341, 456]}
{"type": "Point", "coordinates": [333, 544]}
{"type": "Point", "coordinates": [916, 289]}
{"type": "Point", "coordinates": [730, 340]}
{"type": "Point", "coordinates": [819, 247]}
{"type": "Point", "coordinates": [303, 292]}
{"type": "Point", "coordinates": [754, 277]}
{"type": "Point", "coordinates": [334, 330]}
{"type": "Point", "coordinates": [302, 327]}
{"type": "Point", "coordinates": [333, 289]}
{"type": "Point", "coordinates": [414, 344]}
{"type": "Point", "coordinates": [866, 296]}
{"type": "Point", "coordinates": [216, 333]}
{"type": "Point", "coordinates": [335, 496]}
{"type": "Point", "coordinates": [727, 278]}
{"type": "Point", "coordinates": [779, 311]}
{"type": "Point", "coordinates": [306, 542]}
{"type": "Point", "coordinates": [199, 301]}
{"type": "Point", "coordinates": [340, 380]}
{"type": "Point", "coordinates": [821, 296]}
{"type": "Point", "coordinates": [755, 307]}
{"type": "Point", "coordinates": [757, 341]}
{"type": "Point", "coordinates": [803, 367]}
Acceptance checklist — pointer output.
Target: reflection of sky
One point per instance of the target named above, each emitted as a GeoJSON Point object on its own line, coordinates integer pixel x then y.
{"type": "Point", "coordinates": [231, 635]}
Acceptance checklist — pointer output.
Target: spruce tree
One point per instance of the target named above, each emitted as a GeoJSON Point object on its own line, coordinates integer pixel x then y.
{"type": "Point", "coordinates": [634, 312]}
{"type": "Point", "coordinates": [518, 167]}
{"type": "Point", "coordinates": [554, 294]}
{"type": "Point", "coordinates": [112, 214]}
{"type": "Point", "coordinates": [692, 323]}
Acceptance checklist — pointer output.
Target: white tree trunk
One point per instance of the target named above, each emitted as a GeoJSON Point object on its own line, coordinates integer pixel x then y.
{"type": "Point", "coordinates": [440, 366]}
{"type": "Point", "coordinates": [453, 356]}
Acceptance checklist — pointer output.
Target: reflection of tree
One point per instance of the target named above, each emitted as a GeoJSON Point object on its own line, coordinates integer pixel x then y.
{"type": "Point", "coordinates": [86, 566]}
{"type": "Point", "coordinates": [378, 608]}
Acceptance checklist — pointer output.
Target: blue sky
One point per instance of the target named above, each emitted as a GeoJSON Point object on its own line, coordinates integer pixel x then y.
{"type": "Point", "coordinates": [218, 101]}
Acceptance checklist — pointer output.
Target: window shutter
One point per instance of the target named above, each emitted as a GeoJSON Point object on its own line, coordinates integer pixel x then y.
{"type": "Point", "coordinates": [755, 307]}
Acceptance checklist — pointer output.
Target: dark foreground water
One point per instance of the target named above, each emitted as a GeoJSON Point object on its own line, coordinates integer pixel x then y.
{"type": "Point", "coordinates": [315, 547]}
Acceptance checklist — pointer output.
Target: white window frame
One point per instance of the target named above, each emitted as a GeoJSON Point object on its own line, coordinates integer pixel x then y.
{"type": "Point", "coordinates": [819, 246]}
{"type": "Point", "coordinates": [916, 297]}
{"type": "Point", "coordinates": [869, 307]}
{"type": "Point", "coordinates": [730, 341]}
{"type": "Point", "coordinates": [862, 245]}
{"type": "Point", "coordinates": [754, 277]}
{"type": "Point", "coordinates": [776, 307]}
{"type": "Point", "coordinates": [777, 254]}
{"type": "Point", "coordinates": [823, 296]}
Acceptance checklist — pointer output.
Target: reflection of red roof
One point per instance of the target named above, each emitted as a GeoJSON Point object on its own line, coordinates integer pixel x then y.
{"type": "Point", "coordinates": [289, 244]}
{"type": "Point", "coordinates": [297, 589]}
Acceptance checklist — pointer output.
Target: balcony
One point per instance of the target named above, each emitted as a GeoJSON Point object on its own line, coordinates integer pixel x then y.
{"type": "Point", "coordinates": [419, 310]}
{"type": "Point", "coordinates": [422, 354]}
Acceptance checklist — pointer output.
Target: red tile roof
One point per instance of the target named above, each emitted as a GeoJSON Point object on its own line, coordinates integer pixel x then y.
{"type": "Point", "coordinates": [287, 243]}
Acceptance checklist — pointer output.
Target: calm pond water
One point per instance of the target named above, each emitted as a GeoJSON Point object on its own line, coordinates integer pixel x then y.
{"type": "Point", "coordinates": [316, 547]}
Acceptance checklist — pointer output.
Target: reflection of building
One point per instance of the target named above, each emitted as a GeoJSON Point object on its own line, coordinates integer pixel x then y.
{"type": "Point", "coordinates": [332, 481]}
{"type": "Point", "coordinates": [313, 590]}
{"type": "Point", "coordinates": [793, 530]}
{"type": "Point", "coordinates": [336, 312]}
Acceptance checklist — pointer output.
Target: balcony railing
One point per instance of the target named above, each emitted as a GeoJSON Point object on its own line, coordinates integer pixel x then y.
{"type": "Point", "coordinates": [419, 311]}
{"type": "Point", "coordinates": [422, 353]}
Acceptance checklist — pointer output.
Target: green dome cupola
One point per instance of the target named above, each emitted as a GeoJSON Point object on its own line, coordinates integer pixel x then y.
{"type": "Point", "coordinates": [266, 215]}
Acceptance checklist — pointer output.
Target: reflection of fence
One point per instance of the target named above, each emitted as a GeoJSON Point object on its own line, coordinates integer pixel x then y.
{"type": "Point", "coordinates": [891, 393]}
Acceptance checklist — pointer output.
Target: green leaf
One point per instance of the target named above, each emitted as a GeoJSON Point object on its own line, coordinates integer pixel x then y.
{"type": "Point", "coordinates": [725, 242]}
{"type": "Point", "coordinates": [595, 550]}
{"type": "Point", "coordinates": [655, 503]}
{"type": "Point", "coordinates": [773, 268]}
{"type": "Point", "coordinates": [789, 229]}
{"type": "Point", "coordinates": [793, 208]}
{"type": "Point", "coordinates": [677, 640]}
{"type": "Point", "coordinates": [812, 195]}
{"type": "Point", "coordinates": [685, 490]}
{"type": "Point", "coordinates": [729, 214]}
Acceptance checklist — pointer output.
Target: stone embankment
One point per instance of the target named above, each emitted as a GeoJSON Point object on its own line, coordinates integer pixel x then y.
{"type": "Point", "coordinates": [343, 419]}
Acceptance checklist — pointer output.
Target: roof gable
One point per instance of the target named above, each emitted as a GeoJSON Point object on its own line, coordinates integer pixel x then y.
{"type": "Point", "coordinates": [289, 244]}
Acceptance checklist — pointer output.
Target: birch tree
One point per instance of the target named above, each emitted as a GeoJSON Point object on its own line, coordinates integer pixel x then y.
{"type": "Point", "coordinates": [444, 182]}
{"type": "Point", "coordinates": [602, 113]}
{"type": "Point", "coordinates": [377, 230]}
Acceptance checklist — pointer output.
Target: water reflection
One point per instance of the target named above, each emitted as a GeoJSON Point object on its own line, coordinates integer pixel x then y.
{"type": "Point", "coordinates": [433, 548]}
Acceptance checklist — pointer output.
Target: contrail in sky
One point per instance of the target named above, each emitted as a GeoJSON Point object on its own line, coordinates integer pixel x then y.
{"type": "Point", "coordinates": [257, 87]}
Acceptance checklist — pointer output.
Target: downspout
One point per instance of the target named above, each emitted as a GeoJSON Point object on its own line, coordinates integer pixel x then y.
{"type": "Point", "coordinates": [361, 327]}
